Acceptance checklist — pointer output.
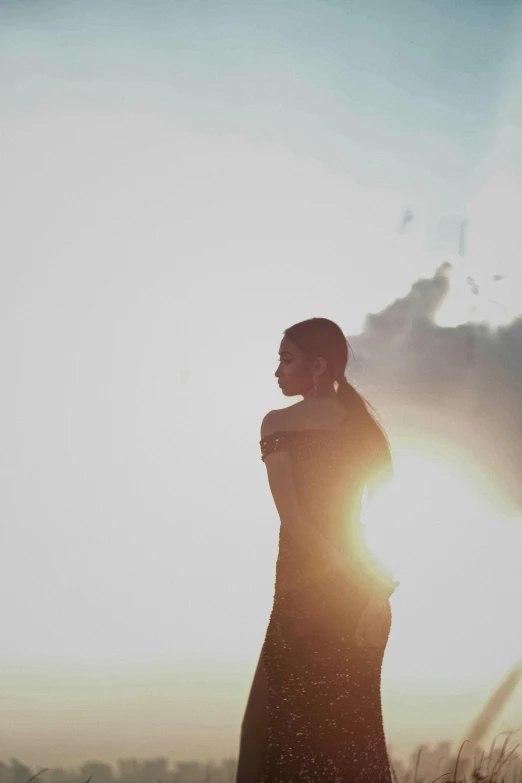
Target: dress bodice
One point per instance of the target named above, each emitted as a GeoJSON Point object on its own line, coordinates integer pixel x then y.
{"type": "Point", "coordinates": [324, 463]}
{"type": "Point", "coordinates": [329, 472]}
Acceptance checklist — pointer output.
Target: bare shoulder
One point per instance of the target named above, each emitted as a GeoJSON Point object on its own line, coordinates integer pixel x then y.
{"type": "Point", "coordinates": [280, 419]}
{"type": "Point", "coordinates": [272, 422]}
{"type": "Point", "coordinates": [304, 415]}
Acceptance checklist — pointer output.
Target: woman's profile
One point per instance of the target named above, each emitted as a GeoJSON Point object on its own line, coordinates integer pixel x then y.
{"type": "Point", "coordinates": [314, 709]}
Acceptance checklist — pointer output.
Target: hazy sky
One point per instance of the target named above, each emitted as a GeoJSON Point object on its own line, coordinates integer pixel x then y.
{"type": "Point", "coordinates": [179, 182]}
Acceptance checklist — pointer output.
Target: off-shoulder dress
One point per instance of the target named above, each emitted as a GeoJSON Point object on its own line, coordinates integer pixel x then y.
{"type": "Point", "coordinates": [324, 691]}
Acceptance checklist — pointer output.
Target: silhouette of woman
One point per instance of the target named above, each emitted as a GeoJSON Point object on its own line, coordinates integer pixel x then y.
{"type": "Point", "coordinates": [314, 709]}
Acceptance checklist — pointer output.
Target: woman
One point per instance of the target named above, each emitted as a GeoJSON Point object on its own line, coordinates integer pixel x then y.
{"type": "Point", "coordinates": [314, 710]}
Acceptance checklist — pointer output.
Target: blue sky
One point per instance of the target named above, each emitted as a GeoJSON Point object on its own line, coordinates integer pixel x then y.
{"type": "Point", "coordinates": [400, 92]}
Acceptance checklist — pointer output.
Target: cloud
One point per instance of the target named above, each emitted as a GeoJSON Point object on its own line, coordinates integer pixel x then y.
{"type": "Point", "coordinates": [459, 385]}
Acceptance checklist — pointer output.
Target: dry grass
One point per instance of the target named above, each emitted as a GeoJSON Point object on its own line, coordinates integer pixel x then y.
{"type": "Point", "coordinates": [488, 770]}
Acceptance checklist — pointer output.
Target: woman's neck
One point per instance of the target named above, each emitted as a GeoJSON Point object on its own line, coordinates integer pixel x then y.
{"type": "Point", "coordinates": [327, 394]}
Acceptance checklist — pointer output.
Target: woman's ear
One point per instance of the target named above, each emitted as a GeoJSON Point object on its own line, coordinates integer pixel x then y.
{"type": "Point", "coordinates": [320, 365]}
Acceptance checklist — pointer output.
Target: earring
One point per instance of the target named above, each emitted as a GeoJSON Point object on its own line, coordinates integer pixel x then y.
{"type": "Point", "coordinates": [315, 386]}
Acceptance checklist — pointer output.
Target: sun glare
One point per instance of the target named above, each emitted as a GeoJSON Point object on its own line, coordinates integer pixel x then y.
{"type": "Point", "coordinates": [456, 560]}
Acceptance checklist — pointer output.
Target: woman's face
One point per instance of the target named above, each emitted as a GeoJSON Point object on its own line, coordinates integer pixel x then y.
{"type": "Point", "coordinates": [293, 373]}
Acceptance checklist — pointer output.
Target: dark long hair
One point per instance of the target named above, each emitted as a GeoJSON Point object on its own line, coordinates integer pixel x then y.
{"type": "Point", "coordinates": [317, 337]}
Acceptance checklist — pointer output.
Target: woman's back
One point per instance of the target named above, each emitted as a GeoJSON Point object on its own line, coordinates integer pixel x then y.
{"type": "Point", "coordinates": [314, 413]}
{"type": "Point", "coordinates": [328, 470]}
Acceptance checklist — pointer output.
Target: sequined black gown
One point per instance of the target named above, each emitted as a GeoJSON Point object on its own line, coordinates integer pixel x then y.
{"type": "Point", "coordinates": [324, 692]}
